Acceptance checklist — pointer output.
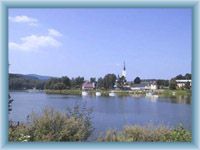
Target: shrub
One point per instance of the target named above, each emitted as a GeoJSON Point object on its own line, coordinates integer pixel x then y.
{"type": "Point", "coordinates": [74, 125]}
{"type": "Point", "coordinates": [146, 134]}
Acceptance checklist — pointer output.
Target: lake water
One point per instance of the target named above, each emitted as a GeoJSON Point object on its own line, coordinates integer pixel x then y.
{"type": "Point", "coordinates": [109, 112]}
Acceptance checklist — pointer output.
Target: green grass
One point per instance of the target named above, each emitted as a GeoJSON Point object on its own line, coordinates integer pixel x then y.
{"type": "Point", "coordinates": [65, 92]}
{"type": "Point", "coordinates": [92, 92]}
{"type": "Point", "coordinates": [161, 93]}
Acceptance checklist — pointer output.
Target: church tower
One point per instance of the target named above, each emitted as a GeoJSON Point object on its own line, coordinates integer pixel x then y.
{"type": "Point", "coordinates": [124, 71]}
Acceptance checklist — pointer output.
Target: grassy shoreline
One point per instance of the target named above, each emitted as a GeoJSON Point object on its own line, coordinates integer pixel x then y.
{"type": "Point", "coordinates": [160, 93]}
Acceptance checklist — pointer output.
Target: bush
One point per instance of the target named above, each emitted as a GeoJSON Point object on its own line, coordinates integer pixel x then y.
{"type": "Point", "coordinates": [146, 134]}
{"type": "Point", "coordinates": [75, 125]}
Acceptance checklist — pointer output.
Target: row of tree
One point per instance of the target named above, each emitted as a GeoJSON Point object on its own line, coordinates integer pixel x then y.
{"type": "Point", "coordinates": [17, 82]}
{"type": "Point", "coordinates": [65, 82]}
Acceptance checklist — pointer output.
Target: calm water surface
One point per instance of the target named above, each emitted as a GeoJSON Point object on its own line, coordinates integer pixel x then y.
{"type": "Point", "coordinates": [109, 112]}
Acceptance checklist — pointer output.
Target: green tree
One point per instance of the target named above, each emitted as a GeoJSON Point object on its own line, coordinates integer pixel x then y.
{"type": "Point", "coordinates": [172, 84]}
{"type": "Point", "coordinates": [66, 81]}
{"type": "Point", "coordinates": [100, 83]}
{"type": "Point", "coordinates": [162, 83]}
{"type": "Point", "coordinates": [109, 81]}
{"type": "Point", "coordinates": [79, 81]}
{"type": "Point", "coordinates": [188, 76]}
{"type": "Point", "coordinates": [59, 86]}
{"type": "Point", "coordinates": [179, 77]}
{"type": "Point", "coordinates": [93, 80]}
{"type": "Point", "coordinates": [137, 80]}
{"type": "Point", "coordinates": [121, 81]}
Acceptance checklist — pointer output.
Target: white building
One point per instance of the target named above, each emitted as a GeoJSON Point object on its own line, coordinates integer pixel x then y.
{"type": "Point", "coordinates": [182, 83]}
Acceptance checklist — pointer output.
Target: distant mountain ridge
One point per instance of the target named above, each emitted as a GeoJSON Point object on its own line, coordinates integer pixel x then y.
{"type": "Point", "coordinates": [40, 77]}
{"type": "Point", "coordinates": [30, 76]}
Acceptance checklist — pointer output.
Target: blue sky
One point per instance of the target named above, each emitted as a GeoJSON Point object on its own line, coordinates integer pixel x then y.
{"type": "Point", "coordinates": [154, 43]}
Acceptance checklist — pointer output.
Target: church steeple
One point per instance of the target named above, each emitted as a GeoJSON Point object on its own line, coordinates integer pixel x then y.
{"type": "Point", "coordinates": [124, 66]}
{"type": "Point", "coordinates": [124, 70]}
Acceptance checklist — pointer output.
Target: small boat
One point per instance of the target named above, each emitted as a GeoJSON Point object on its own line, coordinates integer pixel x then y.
{"type": "Point", "coordinates": [151, 95]}
{"type": "Point", "coordinates": [112, 94]}
{"type": "Point", "coordinates": [155, 96]}
{"type": "Point", "coordinates": [32, 90]}
{"type": "Point", "coordinates": [84, 93]}
{"type": "Point", "coordinates": [98, 93]}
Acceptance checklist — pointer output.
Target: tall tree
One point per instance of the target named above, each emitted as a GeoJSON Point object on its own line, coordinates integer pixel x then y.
{"type": "Point", "coordinates": [100, 83]}
{"type": "Point", "coordinates": [109, 81]}
{"type": "Point", "coordinates": [188, 76]}
{"type": "Point", "coordinates": [93, 80]}
{"type": "Point", "coordinates": [66, 81]}
{"type": "Point", "coordinates": [172, 84]}
{"type": "Point", "coordinates": [137, 80]}
{"type": "Point", "coordinates": [79, 81]}
{"type": "Point", "coordinates": [179, 77]}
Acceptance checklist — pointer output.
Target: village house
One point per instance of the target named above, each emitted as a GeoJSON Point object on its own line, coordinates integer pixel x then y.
{"type": "Point", "coordinates": [88, 86]}
{"type": "Point", "coordinates": [144, 86]}
{"type": "Point", "coordinates": [182, 83]}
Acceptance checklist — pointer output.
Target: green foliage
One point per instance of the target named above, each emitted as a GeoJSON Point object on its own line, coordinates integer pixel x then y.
{"type": "Point", "coordinates": [65, 92]}
{"type": "Point", "coordinates": [59, 86]}
{"type": "Point", "coordinates": [93, 80]}
{"type": "Point", "coordinates": [100, 84]}
{"type": "Point", "coordinates": [187, 76]}
{"type": "Point", "coordinates": [148, 134]}
{"type": "Point", "coordinates": [20, 82]}
{"type": "Point", "coordinates": [172, 84]}
{"type": "Point", "coordinates": [162, 83]}
{"type": "Point", "coordinates": [75, 125]}
{"type": "Point", "coordinates": [19, 133]}
{"type": "Point", "coordinates": [137, 80]}
{"type": "Point", "coordinates": [66, 81]}
{"type": "Point", "coordinates": [109, 81]}
{"type": "Point", "coordinates": [121, 81]}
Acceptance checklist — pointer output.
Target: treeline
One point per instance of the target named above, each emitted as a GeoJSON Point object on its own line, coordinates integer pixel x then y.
{"type": "Point", "coordinates": [187, 76]}
{"type": "Point", "coordinates": [21, 82]}
{"type": "Point", "coordinates": [64, 83]}
{"type": "Point", "coordinates": [107, 82]}
{"type": "Point", "coordinates": [172, 82]}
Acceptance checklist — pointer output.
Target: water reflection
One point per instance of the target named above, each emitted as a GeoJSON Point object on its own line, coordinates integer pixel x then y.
{"type": "Point", "coordinates": [177, 99]}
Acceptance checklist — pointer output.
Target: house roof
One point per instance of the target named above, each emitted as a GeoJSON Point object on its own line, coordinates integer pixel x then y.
{"type": "Point", "coordinates": [88, 84]}
{"type": "Point", "coordinates": [183, 81]}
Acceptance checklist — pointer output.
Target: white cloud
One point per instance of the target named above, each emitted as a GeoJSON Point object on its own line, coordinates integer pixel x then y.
{"type": "Point", "coordinates": [24, 19]}
{"type": "Point", "coordinates": [53, 32]}
{"type": "Point", "coordinates": [35, 42]}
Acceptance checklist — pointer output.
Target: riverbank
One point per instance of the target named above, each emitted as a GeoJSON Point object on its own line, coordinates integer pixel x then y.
{"type": "Point", "coordinates": [159, 92]}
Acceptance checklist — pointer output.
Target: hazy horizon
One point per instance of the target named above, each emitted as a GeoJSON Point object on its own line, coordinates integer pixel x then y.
{"type": "Point", "coordinates": [155, 43]}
